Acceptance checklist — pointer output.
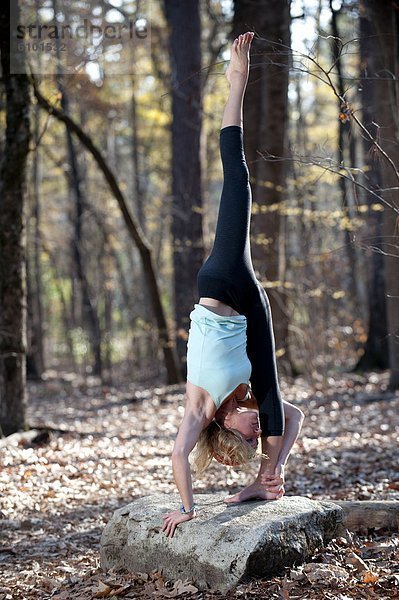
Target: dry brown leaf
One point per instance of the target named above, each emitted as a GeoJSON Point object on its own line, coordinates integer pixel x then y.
{"type": "Point", "coordinates": [179, 588]}
{"type": "Point", "coordinates": [185, 587]}
{"type": "Point", "coordinates": [78, 466]}
{"type": "Point", "coordinates": [102, 591]}
{"type": "Point", "coordinates": [319, 572]}
{"type": "Point", "coordinates": [120, 590]}
{"type": "Point", "coordinates": [358, 563]}
{"type": "Point", "coordinates": [285, 594]}
{"type": "Point", "coordinates": [370, 577]}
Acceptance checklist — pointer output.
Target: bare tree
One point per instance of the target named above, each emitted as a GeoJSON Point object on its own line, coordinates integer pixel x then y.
{"type": "Point", "coordinates": [12, 237]}
{"type": "Point", "coordinates": [376, 348]}
{"type": "Point", "coordinates": [346, 146]}
{"type": "Point", "coordinates": [188, 252]}
{"type": "Point", "coordinates": [385, 15]}
{"type": "Point", "coordinates": [266, 122]}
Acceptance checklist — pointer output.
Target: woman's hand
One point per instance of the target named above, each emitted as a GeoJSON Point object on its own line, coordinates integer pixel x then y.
{"type": "Point", "coordinates": [172, 519]}
{"type": "Point", "coordinates": [274, 483]}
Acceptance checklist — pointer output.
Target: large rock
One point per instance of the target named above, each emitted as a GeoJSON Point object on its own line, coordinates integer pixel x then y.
{"type": "Point", "coordinates": [224, 545]}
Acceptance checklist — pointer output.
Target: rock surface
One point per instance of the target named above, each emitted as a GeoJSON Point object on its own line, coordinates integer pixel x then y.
{"type": "Point", "coordinates": [224, 545]}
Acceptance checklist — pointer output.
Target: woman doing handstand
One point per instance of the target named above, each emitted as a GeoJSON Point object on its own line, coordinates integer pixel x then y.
{"type": "Point", "coordinates": [231, 340]}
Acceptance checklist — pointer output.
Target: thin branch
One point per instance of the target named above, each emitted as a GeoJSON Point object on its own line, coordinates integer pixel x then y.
{"type": "Point", "coordinates": [336, 170]}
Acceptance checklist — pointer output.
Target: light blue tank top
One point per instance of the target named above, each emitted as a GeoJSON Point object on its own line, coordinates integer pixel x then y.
{"type": "Point", "coordinates": [217, 352]}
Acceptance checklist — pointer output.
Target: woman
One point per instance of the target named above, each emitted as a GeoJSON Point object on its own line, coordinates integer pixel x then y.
{"type": "Point", "coordinates": [231, 340]}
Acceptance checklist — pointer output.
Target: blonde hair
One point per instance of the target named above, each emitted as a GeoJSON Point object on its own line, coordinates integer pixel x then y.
{"type": "Point", "coordinates": [227, 446]}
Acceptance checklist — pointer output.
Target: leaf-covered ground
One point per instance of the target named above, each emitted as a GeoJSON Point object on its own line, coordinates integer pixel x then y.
{"type": "Point", "coordinates": [108, 445]}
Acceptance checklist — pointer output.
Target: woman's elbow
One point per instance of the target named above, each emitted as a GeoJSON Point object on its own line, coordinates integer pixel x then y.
{"type": "Point", "coordinates": [301, 415]}
{"type": "Point", "coordinates": [179, 453]}
{"type": "Point", "coordinates": [294, 413]}
{"type": "Point", "coordinates": [298, 416]}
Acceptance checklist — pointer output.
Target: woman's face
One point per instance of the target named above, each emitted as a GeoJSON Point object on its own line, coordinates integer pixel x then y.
{"type": "Point", "coordinates": [247, 423]}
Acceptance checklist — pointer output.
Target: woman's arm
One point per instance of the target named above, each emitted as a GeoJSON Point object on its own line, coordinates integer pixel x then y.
{"type": "Point", "coordinates": [293, 423]}
{"type": "Point", "coordinates": [187, 437]}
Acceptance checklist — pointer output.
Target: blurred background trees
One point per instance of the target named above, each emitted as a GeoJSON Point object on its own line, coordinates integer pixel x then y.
{"type": "Point", "coordinates": [112, 251]}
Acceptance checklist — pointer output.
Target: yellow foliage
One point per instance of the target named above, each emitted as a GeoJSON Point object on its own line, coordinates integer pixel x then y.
{"type": "Point", "coordinates": [338, 294]}
{"type": "Point", "coordinates": [317, 293]}
{"type": "Point", "coordinates": [274, 284]}
{"type": "Point", "coordinates": [292, 211]}
{"type": "Point", "coordinates": [261, 240]}
{"type": "Point", "coordinates": [155, 116]}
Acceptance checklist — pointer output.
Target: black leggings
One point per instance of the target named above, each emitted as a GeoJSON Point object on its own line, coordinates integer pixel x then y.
{"type": "Point", "coordinates": [228, 276]}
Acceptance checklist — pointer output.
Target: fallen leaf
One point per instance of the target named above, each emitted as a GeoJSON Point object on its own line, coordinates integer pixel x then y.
{"type": "Point", "coordinates": [358, 563]}
{"type": "Point", "coordinates": [121, 590]}
{"type": "Point", "coordinates": [185, 587]}
{"type": "Point", "coordinates": [370, 577]}
{"type": "Point", "coordinates": [318, 572]}
{"type": "Point", "coordinates": [102, 591]}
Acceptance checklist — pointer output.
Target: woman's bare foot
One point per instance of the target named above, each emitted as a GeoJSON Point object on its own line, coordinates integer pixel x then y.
{"type": "Point", "coordinates": [255, 490]}
{"type": "Point", "coordinates": [238, 68]}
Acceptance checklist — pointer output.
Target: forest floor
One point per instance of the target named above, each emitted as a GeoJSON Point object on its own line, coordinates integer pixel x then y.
{"type": "Point", "coordinates": [109, 445]}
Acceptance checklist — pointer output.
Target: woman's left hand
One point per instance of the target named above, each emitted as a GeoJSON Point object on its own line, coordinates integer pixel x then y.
{"type": "Point", "coordinates": [274, 483]}
{"type": "Point", "coordinates": [172, 520]}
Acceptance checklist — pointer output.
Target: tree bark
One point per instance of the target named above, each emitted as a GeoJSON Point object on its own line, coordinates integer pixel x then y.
{"type": "Point", "coordinates": [266, 123]}
{"type": "Point", "coordinates": [167, 346]}
{"type": "Point", "coordinates": [385, 15]}
{"type": "Point", "coordinates": [12, 238]}
{"type": "Point", "coordinates": [188, 251]}
{"type": "Point", "coordinates": [346, 155]}
{"type": "Point", "coordinates": [376, 348]}
{"type": "Point", "coordinates": [139, 187]}
{"type": "Point", "coordinates": [35, 337]}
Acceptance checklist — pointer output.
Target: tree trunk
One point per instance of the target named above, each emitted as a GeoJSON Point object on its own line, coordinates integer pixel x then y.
{"type": "Point", "coordinates": [188, 252]}
{"type": "Point", "coordinates": [139, 191]}
{"type": "Point", "coordinates": [35, 341]}
{"type": "Point", "coordinates": [266, 123]}
{"type": "Point", "coordinates": [12, 237]}
{"type": "Point", "coordinates": [32, 366]}
{"type": "Point", "coordinates": [369, 514]}
{"type": "Point", "coordinates": [376, 348]}
{"type": "Point", "coordinates": [346, 155]}
{"type": "Point", "coordinates": [385, 15]}
{"type": "Point", "coordinates": [139, 200]}
{"type": "Point", "coordinates": [90, 315]}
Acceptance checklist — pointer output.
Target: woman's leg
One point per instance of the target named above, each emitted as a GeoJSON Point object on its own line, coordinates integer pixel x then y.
{"type": "Point", "coordinates": [265, 386]}
{"type": "Point", "coordinates": [264, 378]}
{"type": "Point", "coordinates": [237, 74]}
{"type": "Point", "coordinates": [232, 247]}
{"type": "Point", "coordinates": [228, 269]}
